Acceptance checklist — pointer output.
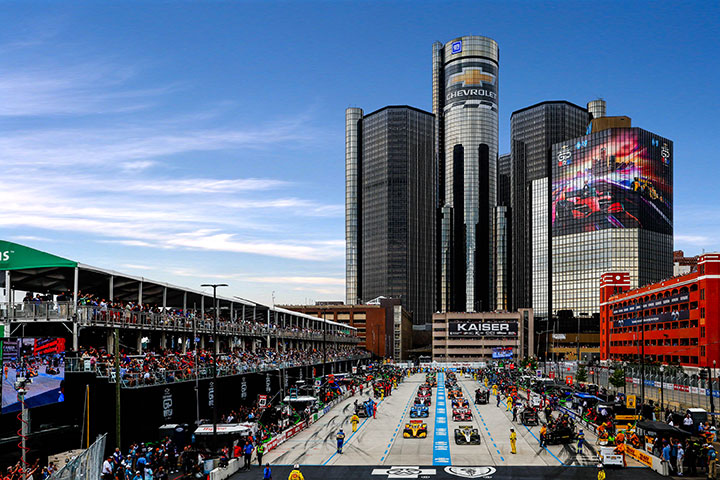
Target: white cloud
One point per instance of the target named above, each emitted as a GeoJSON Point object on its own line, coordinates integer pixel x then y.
{"type": "Point", "coordinates": [700, 240]}
{"type": "Point", "coordinates": [299, 280]}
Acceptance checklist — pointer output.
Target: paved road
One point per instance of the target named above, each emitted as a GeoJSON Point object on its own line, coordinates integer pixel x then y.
{"type": "Point", "coordinates": [379, 442]}
{"type": "Point", "coordinates": [446, 473]}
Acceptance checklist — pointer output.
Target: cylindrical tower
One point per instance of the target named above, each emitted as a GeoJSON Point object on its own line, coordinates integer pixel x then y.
{"type": "Point", "coordinates": [470, 128]}
{"type": "Point", "coordinates": [353, 116]}
{"type": "Point", "coordinates": [597, 108]}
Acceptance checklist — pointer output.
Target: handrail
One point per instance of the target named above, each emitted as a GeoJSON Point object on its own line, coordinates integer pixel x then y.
{"type": "Point", "coordinates": [132, 379]}
{"type": "Point", "coordinates": [98, 316]}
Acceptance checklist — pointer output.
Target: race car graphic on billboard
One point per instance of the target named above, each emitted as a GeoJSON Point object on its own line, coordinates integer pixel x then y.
{"type": "Point", "coordinates": [616, 178]}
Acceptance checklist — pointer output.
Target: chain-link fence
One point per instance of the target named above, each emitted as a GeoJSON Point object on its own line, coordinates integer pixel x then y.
{"type": "Point", "coordinates": [673, 388]}
{"type": "Point", "coordinates": [86, 466]}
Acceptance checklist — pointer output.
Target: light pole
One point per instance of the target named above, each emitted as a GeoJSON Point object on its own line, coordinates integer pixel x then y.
{"type": "Point", "coordinates": [216, 347]}
{"type": "Point", "coordinates": [662, 387]}
{"type": "Point", "coordinates": [624, 364]}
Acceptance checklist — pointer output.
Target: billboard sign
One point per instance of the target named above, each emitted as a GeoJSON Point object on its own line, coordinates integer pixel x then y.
{"type": "Point", "coordinates": [616, 178]}
{"type": "Point", "coordinates": [472, 80]}
{"type": "Point", "coordinates": [41, 361]}
{"type": "Point", "coordinates": [502, 352]}
{"type": "Point", "coordinates": [475, 328]}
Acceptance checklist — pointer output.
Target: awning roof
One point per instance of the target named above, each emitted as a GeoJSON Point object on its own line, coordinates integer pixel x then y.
{"type": "Point", "coordinates": [33, 270]}
{"type": "Point", "coordinates": [14, 256]}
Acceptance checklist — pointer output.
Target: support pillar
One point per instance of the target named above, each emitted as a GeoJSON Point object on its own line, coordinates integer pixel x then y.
{"type": "Point", "coordinates": [110, 341]}
{"type": "Point", "coordinates": [139, 343]}
{"type": "Point", "coordinates": [76, 340]}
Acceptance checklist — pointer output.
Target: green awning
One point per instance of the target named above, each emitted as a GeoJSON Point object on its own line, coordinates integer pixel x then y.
{"type": "Point", "coordinates": [19, 257]}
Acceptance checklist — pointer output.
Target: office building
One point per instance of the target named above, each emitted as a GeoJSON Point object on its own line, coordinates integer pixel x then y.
{"type": "Point", "coordinates": [677, 319]}
{"type": "Point", "coordinates": [534, 130]}
{"type": "Point", "coordinates": [683, 264]}
{"type": "Point", "coordinates": [487, 336]}
{"type": "Point", "coordinates": [503, 235]}
{"type": "Point", "coordinates": [465, 104]}
{"type": "Point", "coordinates": [390, 208]}
{"type": "Point", "coordinates": [612, 211]}
{"type": "Point", "coordinates": [384, 327]}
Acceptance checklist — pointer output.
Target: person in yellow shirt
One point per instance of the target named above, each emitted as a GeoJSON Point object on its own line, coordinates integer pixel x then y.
{"type": "Point", "coordinates": [295, 474]}
{"type": "Point", "coordinates": [601, 472]}
{"type": "Point", "coordinates": [354, 420]}
{"type": "Point", "coordinates": [543, 432]}
{"type": "Point", "coordinates": [509, 403]}
{"type": "Point", "coordinates": [513, 441]}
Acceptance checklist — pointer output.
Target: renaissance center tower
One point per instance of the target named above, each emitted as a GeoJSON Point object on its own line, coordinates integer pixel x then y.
{"type": "Point", "coordinates": [465, 104]}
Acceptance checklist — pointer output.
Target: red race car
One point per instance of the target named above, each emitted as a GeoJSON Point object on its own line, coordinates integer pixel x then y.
{"type": "Point", "coordinates": [461, 415]}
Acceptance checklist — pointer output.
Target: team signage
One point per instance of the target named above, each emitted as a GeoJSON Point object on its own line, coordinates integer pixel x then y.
{"type": "Point", "coordinates": [661, 317]}
{"type": "Point", "coordinates": [482, 329]}
{"type": "Point", "coordinates": [660, 302]}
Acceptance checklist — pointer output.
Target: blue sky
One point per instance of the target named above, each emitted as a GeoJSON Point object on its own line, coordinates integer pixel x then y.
{"type": "Point", "coordinates": [199, 141]}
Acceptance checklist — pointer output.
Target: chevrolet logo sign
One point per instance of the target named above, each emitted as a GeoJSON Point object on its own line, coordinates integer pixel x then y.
{"type": "Point", "coordinates": [471, 77]}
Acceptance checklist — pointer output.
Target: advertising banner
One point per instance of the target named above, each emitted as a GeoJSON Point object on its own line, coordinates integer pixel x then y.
{"type": "Point", "coordinates": [471, 81]}
{"type": "Point", "coordinates": [502, 352]}
{"type": "Point", "coordinates": [474, 328]}
{"type": "Point", "coordinates": [617, 178]}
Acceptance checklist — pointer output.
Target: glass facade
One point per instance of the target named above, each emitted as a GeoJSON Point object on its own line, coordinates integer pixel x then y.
{"type": "Point", "coordinates": [395, 209]}
{"type": "Point", "coordinates": [352, 204]}
{"type": "Point", "coordinates": [611, 212]}
{"type": "Point", "coordinates": [465, 102]}
{"type": "Point", "coordinates": [540, 252]}
{"type": "Point", "coordinates": [503, 234]}
{"type": "Point", "coordinates": [533, 132]}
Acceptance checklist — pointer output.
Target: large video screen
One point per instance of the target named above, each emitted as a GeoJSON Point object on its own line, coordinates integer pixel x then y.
{"type": "Point", "coordinates": [618, 178]}
{"type": "Point", "coordinates": [39, 360]}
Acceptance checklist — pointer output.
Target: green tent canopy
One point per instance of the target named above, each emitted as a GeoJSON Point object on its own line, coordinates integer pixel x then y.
{"type": "Point", "coordinates": [19, 257]}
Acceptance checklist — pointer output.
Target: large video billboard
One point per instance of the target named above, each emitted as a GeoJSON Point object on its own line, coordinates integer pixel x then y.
{"type": "Point", "coordinates": [42, 362]}
{"type": "Point", "coordinates": [617, 178]}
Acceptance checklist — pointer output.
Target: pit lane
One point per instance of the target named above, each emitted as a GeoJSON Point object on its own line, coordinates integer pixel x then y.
{"type": "Point", "coordinates": [379, 442]}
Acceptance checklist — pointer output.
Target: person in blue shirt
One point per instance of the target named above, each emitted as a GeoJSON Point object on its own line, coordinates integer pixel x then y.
{"type": "Point", "coordinates": [340, 439]}
{"type": "Point", "coordinates": [140, 464]}
{"type": "Point", "coordinates": [247, 451]}
{"type": "Point", "coordinates": [267, 473]}
{"type": "Point", "coordinates": [581, 441]}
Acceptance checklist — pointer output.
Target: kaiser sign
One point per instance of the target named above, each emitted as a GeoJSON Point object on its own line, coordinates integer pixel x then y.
{"type": "Point", "coordinates": [482, 329]}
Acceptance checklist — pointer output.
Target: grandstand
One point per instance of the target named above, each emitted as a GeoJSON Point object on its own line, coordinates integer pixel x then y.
{"type": "Point", "coordinates": [85, 303]}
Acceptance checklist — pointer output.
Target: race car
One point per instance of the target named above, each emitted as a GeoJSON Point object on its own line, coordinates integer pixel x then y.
{"type": "Point", "coordinates": [419, 411]}
{"type": "Point", "coordinates": [482, 396]}
{"type": "Point", "coordinates": [461, 415]}
{"type": "Point", "coordinates": [423, 401]}
{"type": "Point", "coordinates": [424, 391]}
{"type": "Point", "coordinates": [415, 429]}
{"type": "Point", "coordinates": [466, 435]}
{"type": "Point", "coordinates": [460, 403]}
{"type": "Point", "coordinates": [454, 393]}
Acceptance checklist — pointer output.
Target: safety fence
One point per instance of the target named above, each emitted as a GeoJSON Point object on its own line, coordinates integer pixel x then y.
{"type": "Point", "coordinates": [676, 388]}
{"type": "Point", "coordinates": [86, 466]}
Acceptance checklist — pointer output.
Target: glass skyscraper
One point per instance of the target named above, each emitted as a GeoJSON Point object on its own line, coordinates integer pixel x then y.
{"type": "Point", "coordinates": [534, 130]}
{"type": "Point", "coordinates": [612, 211]}
{"type": "Point", "coordinates": [465, 104]}
{"type": "Point", "coordinates": [390, 220]}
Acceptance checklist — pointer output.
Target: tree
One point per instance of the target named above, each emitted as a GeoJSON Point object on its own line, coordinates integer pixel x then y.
{"type": "Point", "coordinates": [617, 379]}
{"type": "Point", "coordinates": [582, 374]}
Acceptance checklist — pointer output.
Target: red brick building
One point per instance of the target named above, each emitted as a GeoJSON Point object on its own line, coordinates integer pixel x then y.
{"type": "Point", "coordinates": [680, 317]}
{"type": "Point", "coordinates": [385, 329]}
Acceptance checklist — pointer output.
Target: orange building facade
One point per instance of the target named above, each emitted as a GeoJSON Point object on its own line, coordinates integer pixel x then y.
{"type": "Point", "coordinates": [678, 319]}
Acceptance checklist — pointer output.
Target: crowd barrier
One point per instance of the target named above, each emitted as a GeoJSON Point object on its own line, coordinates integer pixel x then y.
{"type": "Point", "coordinates": [279, 439]}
